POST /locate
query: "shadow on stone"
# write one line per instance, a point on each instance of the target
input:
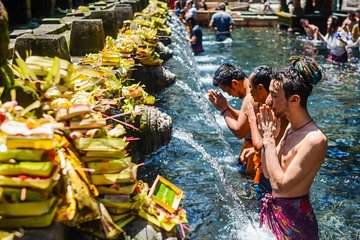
(109, 19)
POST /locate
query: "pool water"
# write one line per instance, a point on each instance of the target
(202, 157)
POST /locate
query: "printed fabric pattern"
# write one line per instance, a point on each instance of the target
(289, 218)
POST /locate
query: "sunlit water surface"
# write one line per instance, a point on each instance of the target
(202, 157)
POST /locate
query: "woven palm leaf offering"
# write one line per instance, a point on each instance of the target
(162, 205)
(117, 54)
(29, 170)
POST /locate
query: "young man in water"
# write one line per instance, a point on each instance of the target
(233, 80)
(222, 23)
(310, 29)
(259, 82)
(291, 165)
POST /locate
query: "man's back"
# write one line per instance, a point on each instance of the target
(222, 21)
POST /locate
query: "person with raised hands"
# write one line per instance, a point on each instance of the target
(292, 164)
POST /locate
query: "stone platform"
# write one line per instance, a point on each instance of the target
(241, 18)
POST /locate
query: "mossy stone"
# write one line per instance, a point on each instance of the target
(4, 35)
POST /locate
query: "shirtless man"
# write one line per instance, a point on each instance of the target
(291, 165)
(233, 81)
(349, 22)
(310, 29)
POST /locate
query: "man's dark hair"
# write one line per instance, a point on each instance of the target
(263, 75)
(222, 6)
(191, 20)
(226, 73)
(302, 21)
(299, 78)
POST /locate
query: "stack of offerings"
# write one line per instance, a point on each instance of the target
(28, 169)
(103, 151)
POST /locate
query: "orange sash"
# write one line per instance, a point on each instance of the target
(253, 162)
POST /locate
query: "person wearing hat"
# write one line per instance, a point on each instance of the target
(222, 23)
(195, 37)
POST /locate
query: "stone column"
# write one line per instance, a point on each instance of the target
(155, 78)
(133, 4)
(123, 12)
(50, 45)
(155, 130)
(87, 36)
(109, 20)
(283, 6)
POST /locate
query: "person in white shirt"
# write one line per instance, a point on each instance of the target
(336, 40)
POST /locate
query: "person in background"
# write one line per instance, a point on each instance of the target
(336, 41)
(292, 165)
(195, 36)
(203, 5)
(267, 8)
(349, 22)
(310, 29)
(190, 9)
(355, 33)
(182, 16)
(171, 4)
(222, 23)
(227, 6)
(177, 8)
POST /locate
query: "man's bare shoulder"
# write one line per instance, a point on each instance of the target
(313, 27)
(247, 99)
(315, 142)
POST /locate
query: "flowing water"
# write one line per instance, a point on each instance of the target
(202, 157)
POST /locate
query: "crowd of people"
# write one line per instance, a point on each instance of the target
(341, 38)
(283, 147)
(221, 22)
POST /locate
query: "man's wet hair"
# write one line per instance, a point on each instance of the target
(226, 73)
(299, 78)
(222, 6)
(263, 75)
(191, 20)
(302, 21)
